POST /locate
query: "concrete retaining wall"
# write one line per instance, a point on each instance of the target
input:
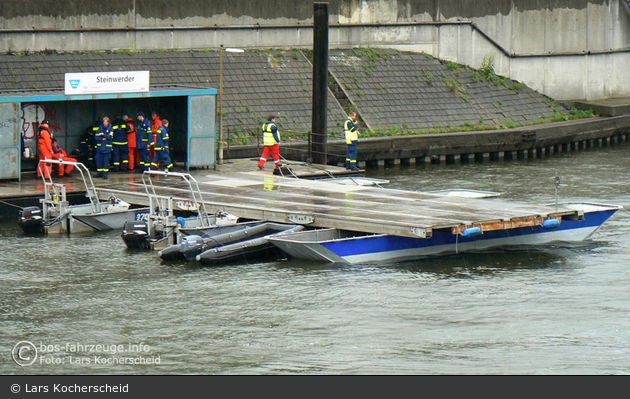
(567, 49)
(526, 142)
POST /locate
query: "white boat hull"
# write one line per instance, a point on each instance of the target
(104, 221)
(57, 216)
(80, 219)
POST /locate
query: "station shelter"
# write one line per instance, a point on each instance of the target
(190, 110)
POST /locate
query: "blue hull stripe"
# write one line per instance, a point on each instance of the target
(388, 243)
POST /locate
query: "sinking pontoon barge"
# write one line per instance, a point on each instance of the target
(370, 209)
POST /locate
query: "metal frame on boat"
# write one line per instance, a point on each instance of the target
(59, 217)
(162, 227)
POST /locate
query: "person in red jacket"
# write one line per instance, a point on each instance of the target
(156, 122)
(134, 156)
(60, 154)
(44, 148)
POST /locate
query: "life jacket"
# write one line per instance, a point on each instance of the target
(267, 129)
(350, 131)
(58, 150)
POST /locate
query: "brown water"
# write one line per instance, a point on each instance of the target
(552, 310)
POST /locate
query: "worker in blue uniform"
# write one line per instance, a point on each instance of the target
(120, 153)
(103, 148)
(87, 143)
(144, 137)
(95, 128)
(162, 151)
(352, 140)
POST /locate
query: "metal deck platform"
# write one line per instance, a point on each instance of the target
(329, 197)
(363, 208)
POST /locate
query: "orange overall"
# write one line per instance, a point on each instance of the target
(44, 148)
(134, 157)
(155, 123)
(60, 154)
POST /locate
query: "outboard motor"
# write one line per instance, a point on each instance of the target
(191, 246)
(135, 234)
(30, 219)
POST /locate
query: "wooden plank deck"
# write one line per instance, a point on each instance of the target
(241, 189)
(320, 203)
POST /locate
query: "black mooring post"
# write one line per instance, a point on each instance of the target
(320, 84)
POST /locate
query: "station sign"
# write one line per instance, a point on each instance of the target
(106, 82)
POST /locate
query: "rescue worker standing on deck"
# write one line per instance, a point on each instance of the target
(144, 138)
(87, 147)
(103, 148)
(44, 148)
(271, 141)
(121, 150)
(162, 148)
(352, 140)
(61, 155)
(134, 157)
(156, 122)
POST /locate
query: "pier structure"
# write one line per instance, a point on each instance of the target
(506, 155)
(344, 203)
(529, 142)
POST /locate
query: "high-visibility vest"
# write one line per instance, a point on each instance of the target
(268, 138)
(350, 131)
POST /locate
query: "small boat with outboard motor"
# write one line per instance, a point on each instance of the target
(57, 216)
(169, 214)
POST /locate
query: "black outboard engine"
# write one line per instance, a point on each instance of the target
(191, 246)
(135, 234)
(30, 219)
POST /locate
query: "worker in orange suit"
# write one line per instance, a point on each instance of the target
(44, 148)
(134, 156)
(156, 122)
(61, 154)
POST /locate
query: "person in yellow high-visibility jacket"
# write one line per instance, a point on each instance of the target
(352, 140)
(271, 141)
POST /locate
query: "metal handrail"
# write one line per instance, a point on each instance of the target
(194, 191)
(85, 176)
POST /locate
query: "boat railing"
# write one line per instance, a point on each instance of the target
(193, 187)
(161, 218)
(53, 192)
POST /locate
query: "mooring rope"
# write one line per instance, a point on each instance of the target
(304, 163)
(10, 204)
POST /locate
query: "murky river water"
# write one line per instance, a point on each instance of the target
(91, 306)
